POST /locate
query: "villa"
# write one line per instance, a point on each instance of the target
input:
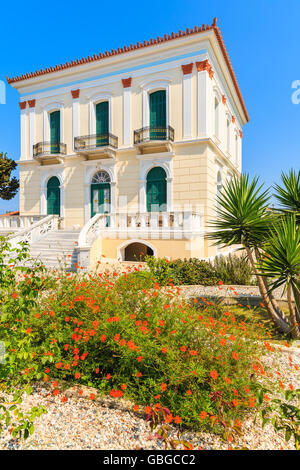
(124, 152)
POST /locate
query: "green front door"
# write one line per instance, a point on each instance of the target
(156, 190)
(53, 196)
(158, 118)
(100, 198)
(102, 123)
(55, 131)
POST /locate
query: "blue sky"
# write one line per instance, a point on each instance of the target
(261, 36)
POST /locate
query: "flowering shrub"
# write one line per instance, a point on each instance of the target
(188, 364)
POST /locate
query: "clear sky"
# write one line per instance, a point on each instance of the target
(261, 36)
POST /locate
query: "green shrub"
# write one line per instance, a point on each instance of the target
(186, 272)
(233, 269)
(192, 272)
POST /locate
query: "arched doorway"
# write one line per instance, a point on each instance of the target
(53, 196)
(137, 252)
(156, 190)
(100, 193)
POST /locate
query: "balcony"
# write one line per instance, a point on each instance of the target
(94, 146)
(47, 152)
(149, 139)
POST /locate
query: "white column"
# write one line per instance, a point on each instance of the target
(126, 112)
(205, 102)
(23, 130)
(75, 114)
(31, 126)
(187, 100)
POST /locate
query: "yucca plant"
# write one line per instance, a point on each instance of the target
(281, 263)
(243, 219)
(288, 195)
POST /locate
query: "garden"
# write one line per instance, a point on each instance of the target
(189, 372)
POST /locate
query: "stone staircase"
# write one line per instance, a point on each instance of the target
(57, 248)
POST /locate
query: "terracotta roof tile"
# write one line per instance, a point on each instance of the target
(138, 45)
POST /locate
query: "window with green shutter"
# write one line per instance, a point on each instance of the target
(102, 126)
(55, 131)
(158, 115)
(53, 196)
(156, 190)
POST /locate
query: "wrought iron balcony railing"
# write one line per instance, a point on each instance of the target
(94, 142)
(148, 134)
(48, 148)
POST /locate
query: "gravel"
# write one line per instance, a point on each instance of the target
(111, 424)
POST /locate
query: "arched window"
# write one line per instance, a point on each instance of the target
(101, 177)
(100, 193)
(156, 190)
(228, 135)
(236, 149)
(158, 115)
(216, 117)
(54, 119)
(219, 187)
(102, 123)
(53, 196)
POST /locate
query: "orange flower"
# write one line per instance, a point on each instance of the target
(291, 387)
(203, 414)
(58, 365)
(64, 399)
(193, 353)
(214, 374)
(123, 386)
(148, 409)
(92, 396)
(77, 375)
(56, 392)
(177, 419)
(189, 392)
(136, 408)
(164, 350)
(169, 418)
(163, 387)
(235, 355)
(29, 330)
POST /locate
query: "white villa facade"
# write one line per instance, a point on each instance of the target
(129, 148)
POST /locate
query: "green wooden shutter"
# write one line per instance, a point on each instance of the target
(53, 196)
(102, 127)
(55, 131)
(156, 190)
(158, 117)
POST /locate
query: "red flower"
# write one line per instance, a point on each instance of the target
(29, 330)
(203, 414)
(58, 365)
(64, 399)
(164, 350)
(163, 387)
(177, 419)
(92, 396)
(77, 375)
(214, 374)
